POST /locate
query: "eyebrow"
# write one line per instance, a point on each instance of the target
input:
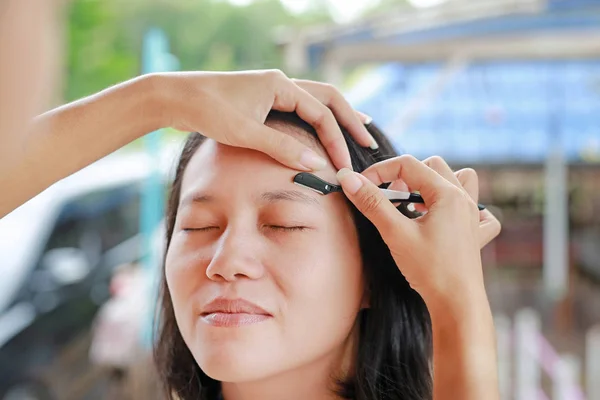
(195, 198)
(289, 195)
(268, 197)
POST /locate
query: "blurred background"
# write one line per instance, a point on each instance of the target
(508, 87)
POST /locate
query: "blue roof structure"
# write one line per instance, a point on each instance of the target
(508, 111)
(553, 15)
(491, 112)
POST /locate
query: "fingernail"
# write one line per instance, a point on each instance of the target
(350, 182)
(312, 161)
(374, 145)
(368, 119)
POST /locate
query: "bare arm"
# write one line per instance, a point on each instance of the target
(464, 349)
(439, 255)
(29, 50)
(227, 107)
(66, 139)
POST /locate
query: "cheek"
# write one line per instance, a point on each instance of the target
(323, 289)
(185, 263)
(323, 278)
(183, 274)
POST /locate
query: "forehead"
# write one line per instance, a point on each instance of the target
(220, 168)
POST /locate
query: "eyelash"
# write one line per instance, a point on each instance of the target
(274, 227)
(288, 228)
(200, 229)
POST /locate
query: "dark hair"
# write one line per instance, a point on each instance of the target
(395, 347)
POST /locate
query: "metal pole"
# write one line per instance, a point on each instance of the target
(527, 379)
(155, 58)
(556, 212)
(592, 363)
(556, 225)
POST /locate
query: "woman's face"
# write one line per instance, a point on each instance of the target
(244, 233)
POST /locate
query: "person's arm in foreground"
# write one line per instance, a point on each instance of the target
(228, 107)
(439, 254)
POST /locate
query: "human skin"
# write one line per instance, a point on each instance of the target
(439, 255)
(308, 279)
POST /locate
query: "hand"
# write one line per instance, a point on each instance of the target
(231, 108)
(439, 252)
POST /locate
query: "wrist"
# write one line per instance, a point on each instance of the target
(157, 104)
(464, 348)
(462, 302)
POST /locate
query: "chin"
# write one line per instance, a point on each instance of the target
(227, 364)
(237, 355)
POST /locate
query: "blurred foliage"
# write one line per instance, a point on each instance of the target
(105, 36)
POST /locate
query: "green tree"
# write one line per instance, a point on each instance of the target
(97, 54)
(105, 37)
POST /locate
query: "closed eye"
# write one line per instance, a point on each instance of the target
(203, 229)
(272, 227)
(287, 228)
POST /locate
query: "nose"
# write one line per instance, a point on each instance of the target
(235, 257)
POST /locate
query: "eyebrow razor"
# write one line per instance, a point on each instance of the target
(321, 186)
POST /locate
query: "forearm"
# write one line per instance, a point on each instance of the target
(464, 348)
(29, 50)
(66, 139)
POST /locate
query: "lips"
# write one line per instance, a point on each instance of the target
(224, 312)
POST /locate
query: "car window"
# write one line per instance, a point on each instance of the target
(98, 221)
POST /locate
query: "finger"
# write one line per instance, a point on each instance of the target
(469, 181)
(364, 118)
(280, 146)
(292, 98)
(403, 187)
(370, 201)
(439, 165)
(489, 228)
(399, 185)
(345, 115)
(420, 208)
(414, 173)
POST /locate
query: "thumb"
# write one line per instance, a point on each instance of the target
(489, 227)
(283, 148)
(370, 201)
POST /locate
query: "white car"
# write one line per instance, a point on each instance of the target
(58, 252)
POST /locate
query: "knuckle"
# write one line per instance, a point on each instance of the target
(336, 98)
(278, 142)
(408, 159)
(370, 202)
(457, 198)
(405, 160)
(329, 87)
(331, 90)
(322, 118)
(470, 172)
(318, 121)
(436, 159)
(276, 74)
(436, 162)
(497, 227)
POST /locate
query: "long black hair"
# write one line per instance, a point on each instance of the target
(395, 344)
